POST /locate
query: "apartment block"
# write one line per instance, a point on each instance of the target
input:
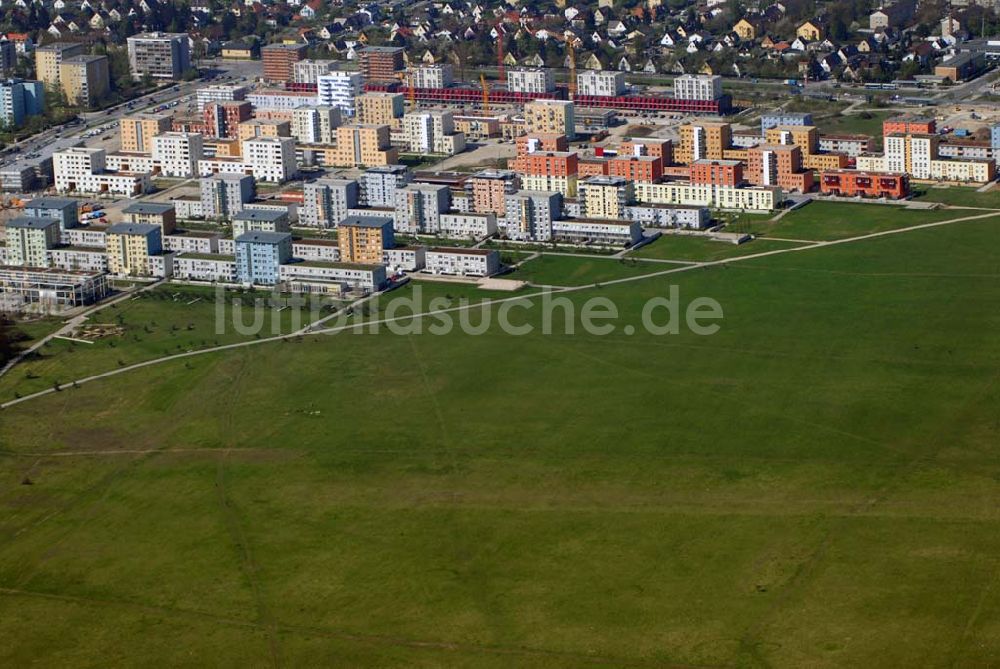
(137, 131)
(54, 289)
(432, 132)
(279, 61)
(703, 140)
(259, 256)
(697, 87)
(339, 89)
(468, 225)
(529, 214)
(773, 119)
(159, 55)
(432, 76)
(583, 230)
(909, 124)
(488, 190)
(717, 172)
(363, 239)
(131, 247)
(63, 209)
(49, 57)
(381, 63)
(326, 202)
(159, 214)
(462, 262)
(256, 128)
(379, 185)
(530, 80)
(380, 108)
(270, 158)
(806, 137)
(219, 93)
(29, 240)
(20, 99)
(309, 71)
(648, 146)
(706, 195)
(604, 196)
(223, 119)
(636, 168)
(603, 83)
(83, 170)
(550, 116)
(177, 154)
(315, 125)
(85, 80)
(364, 146)
(778, 165)
(668, 216)
(852, 183)
(260, 220)
(223, 195)
(418, 207)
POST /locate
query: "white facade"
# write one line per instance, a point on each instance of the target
(462, 262)
(270, 158)
(534, 80)
(308, 71)
(432, 76)
(82, 170)
(339, 89)
(600, 82)
(698, 87)
(315, 125)
(219, 93)
(281, 100)
(463, 225)
(432, 132)
(177, 153)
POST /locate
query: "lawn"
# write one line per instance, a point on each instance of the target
(165, 320)
(960, 196)
(856, 124)
(814, 485)
(822, 221)
(558, 270)
(689, 248)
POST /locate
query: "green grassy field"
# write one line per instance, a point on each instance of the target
(814, 485)
(823, 221)
(697, 249)
(963, 197)
(856, 124)
(556, 270)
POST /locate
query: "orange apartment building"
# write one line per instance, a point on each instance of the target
(850, 183)
(550, 163)
(648, 146)
(489, 189)
(703, 140)
(778, 165)
(645, 169)
(137, 131)
(362, 146)
(594, 166)
(716, 172)
(911, 125)
(279, 61)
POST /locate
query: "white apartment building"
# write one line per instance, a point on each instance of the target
(379, 184)
(530, 214)
(177, 153)
(339, 89)
(418, 208)
(270, 158)
(78, 259)
(29, 239)
(222, 195)
(315, 125)
(764, 198)
(219, 93)
(432, 76)
(468, 225)
(282, 100)
(326, 202)
(530, 80)
(604, 83)
(432, 132)
(309, 71)
(615, 233)
(462, 262)
(83, 170)
(698, 87)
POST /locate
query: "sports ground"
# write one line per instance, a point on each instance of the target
(817, 484)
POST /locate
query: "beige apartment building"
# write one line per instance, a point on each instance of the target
(703, 141)
(379, 108)
(48, 58)
(550, 117)
(84, 79)
(364, 146)
(137, 131)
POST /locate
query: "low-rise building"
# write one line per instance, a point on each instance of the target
(610, 232)
(668, 216)
(462, 262)
(468, 225)
(205, 267)
(853, 183)
(82, 170)
(308, 276)
(50, 290)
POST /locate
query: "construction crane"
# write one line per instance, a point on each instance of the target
(571, 54)
(486, 93)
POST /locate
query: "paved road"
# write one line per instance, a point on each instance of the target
(370, 324)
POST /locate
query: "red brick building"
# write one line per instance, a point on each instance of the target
(648, 146)
(222, 118)
(850, 183)
(279, 61)
(647, 169)
(911, 125)
(381, 63)
(778, 165)
(541, 142)
(716, 172)
(549, 163)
